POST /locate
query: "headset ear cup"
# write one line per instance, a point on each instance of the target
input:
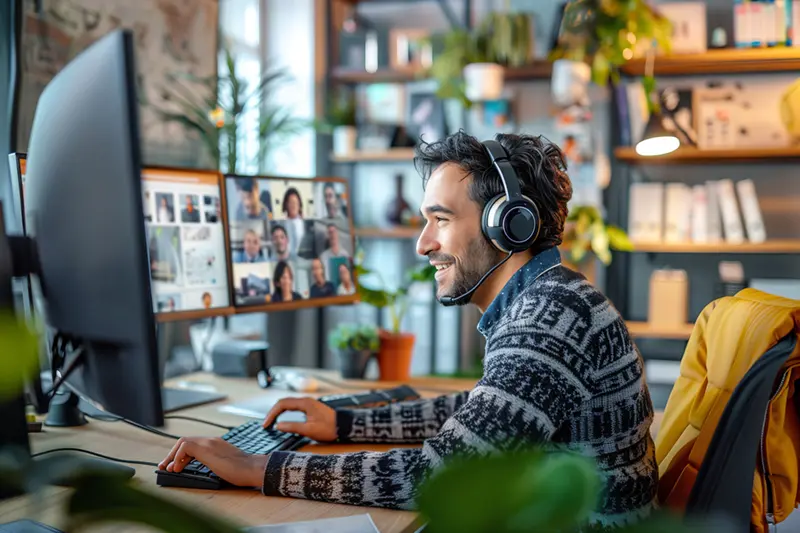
(490, 223)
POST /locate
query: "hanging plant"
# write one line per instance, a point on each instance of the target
(605, 34)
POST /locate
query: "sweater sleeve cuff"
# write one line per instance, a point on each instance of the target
(344, 424)
(273, 472)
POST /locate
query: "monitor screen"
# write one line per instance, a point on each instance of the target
(291, 240)
(186, 242)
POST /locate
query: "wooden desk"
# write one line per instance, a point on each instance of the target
(245, 507)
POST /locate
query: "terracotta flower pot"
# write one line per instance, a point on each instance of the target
(394, 355)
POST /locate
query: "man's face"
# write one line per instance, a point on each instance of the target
(317, 271)
(452, 237)
(250, 201)
(330, 201)
(251, 244)
(333, 237)
(207, 301)
(280, 241)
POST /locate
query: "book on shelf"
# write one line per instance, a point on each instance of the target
(714, 212)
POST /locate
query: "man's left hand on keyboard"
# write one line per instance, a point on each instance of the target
(224, 459)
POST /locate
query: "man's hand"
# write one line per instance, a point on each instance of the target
(224, 459)
(320, 424)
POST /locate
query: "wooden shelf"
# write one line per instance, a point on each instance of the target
(348, 75)
(400, 232)
(775, 246)
(539, 69)
(725, 61)
(690, 155)
(394, 154)
(644, 330)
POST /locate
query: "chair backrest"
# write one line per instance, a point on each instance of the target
(724, 483)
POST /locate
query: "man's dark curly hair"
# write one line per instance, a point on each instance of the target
(540, 166)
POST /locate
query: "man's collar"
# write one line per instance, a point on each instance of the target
(523, 277)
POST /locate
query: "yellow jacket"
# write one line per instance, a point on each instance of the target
(729, 336)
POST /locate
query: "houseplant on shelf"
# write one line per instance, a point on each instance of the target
(215, 108)
(596, 37)
(396, 346)
(471, 66)
(355, 346)
(586, 231)
(340, 121)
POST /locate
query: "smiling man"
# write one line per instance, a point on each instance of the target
(560, 368)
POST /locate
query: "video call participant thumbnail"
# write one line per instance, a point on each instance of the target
(251, 206)
(320, 286)
(284, 283)
(252, 251)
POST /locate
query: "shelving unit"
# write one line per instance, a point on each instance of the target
(688, 155)
(727, 61)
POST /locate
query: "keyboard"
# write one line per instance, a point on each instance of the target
(252, 438)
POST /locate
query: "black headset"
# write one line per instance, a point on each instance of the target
(510, 220)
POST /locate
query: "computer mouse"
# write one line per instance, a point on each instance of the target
(301, 383)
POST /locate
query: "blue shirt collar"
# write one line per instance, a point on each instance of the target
(522, 278)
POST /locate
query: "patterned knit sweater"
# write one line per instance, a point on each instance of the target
(559, 368)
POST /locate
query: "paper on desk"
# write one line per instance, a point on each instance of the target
(347, 524)
(259, 406)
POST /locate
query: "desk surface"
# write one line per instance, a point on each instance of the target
(244, 507)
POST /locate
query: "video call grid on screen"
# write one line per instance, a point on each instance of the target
(291, 240)
(186, 241)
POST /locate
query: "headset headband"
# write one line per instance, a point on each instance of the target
(508, 177)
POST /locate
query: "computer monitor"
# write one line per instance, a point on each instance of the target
(184, 214)
(291, 242)
(83, 208)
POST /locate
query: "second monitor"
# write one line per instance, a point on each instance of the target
(292, 241)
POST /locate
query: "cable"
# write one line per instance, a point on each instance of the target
(114, 418)
(76, 362)
(116, 459)
(198, 420)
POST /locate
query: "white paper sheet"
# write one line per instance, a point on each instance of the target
(346, 524)
(259, 406)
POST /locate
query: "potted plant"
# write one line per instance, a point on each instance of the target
(596, 37)
(586, 231)
(215, 107)
(341, 121)
(396, 346)
(471, 66)
(355, 345)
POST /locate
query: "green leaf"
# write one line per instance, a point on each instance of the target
(618, 239)
(101, 500)
(373, 297)
(530, 491)
(19, 354)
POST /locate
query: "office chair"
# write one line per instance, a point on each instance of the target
(724, 484)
